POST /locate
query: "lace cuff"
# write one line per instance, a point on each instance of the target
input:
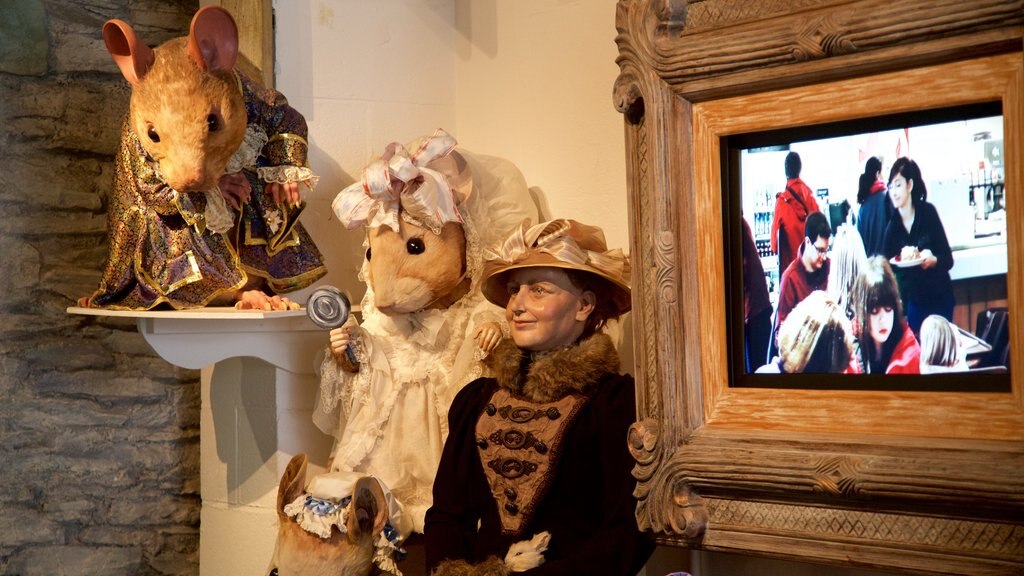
(285, 173)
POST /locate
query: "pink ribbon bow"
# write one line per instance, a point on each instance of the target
(399, 181)
(554, 238)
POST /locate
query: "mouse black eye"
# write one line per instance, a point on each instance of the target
(273, 572)
(151, 132)
(213, 122)
(368, 255)
(415, 246)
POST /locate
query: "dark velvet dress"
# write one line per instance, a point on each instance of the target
(585, 502)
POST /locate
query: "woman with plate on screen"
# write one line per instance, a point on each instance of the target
(917, 247)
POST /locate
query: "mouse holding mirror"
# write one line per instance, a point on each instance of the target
(209, 181)
(428, 210)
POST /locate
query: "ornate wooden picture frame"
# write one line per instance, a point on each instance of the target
(904, 480)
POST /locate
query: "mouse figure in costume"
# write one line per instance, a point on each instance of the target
(210, 175)
(429, 209)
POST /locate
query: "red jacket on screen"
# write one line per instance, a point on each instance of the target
(792, 206)
(906, 357)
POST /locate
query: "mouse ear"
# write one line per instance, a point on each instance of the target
(133, 57)
(292, 483)
(213, 39)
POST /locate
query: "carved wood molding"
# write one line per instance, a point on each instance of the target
(906, 542)
(758, 472)
(865, 475)
(747, 46)
(664, 503)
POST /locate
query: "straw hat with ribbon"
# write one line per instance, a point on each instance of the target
(558, 244)
(424, 182)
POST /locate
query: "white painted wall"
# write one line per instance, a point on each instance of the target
(529, 80)
(363, 73)
(534, 84)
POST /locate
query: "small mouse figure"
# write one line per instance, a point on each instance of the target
(342, 523)
(429, 211)
(209, 179)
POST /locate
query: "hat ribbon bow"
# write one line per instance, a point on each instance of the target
(553, 238)
(400, 181)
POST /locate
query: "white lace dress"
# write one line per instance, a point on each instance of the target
(390, 419)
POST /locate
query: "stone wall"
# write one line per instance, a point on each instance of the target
(99, 438)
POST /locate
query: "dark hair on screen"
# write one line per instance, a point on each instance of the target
(816, 226)
(793, 165)
(876, 288)
(867, 180)
(911, 172)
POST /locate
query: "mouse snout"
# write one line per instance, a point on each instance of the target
(402, 296)
(191, 179)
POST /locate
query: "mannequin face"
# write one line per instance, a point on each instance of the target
(899, 191)
(880, 324)
(545, 311)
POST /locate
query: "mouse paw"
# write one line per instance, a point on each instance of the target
(259, 300)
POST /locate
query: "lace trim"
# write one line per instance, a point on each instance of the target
(336, 386)
(435, 228)
(219, 217)
(252, 144)
(286, 174)
(318, 516)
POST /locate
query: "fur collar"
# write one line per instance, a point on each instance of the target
(576, 368)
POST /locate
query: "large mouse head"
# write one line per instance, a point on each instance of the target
(302, 553)
(408, 200)
(186, 104)
(414, 268)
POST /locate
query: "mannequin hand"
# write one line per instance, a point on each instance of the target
(341, 338)
(235, 189)
(288, 193)
(487, 336)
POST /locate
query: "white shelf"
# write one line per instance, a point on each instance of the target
(204, 336)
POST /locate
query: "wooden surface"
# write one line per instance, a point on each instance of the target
(255, 21)
(922, 482)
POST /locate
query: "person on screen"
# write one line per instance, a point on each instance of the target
(887, 344)
(792, 207)
(809, 272)
(757, 306)
(916, 242)
(875, 208)
(815, 338)
(845, 264)
(940, 346)
(871, 182)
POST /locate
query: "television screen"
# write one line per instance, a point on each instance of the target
(872, 251)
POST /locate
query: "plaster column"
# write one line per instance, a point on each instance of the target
(259, 389)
